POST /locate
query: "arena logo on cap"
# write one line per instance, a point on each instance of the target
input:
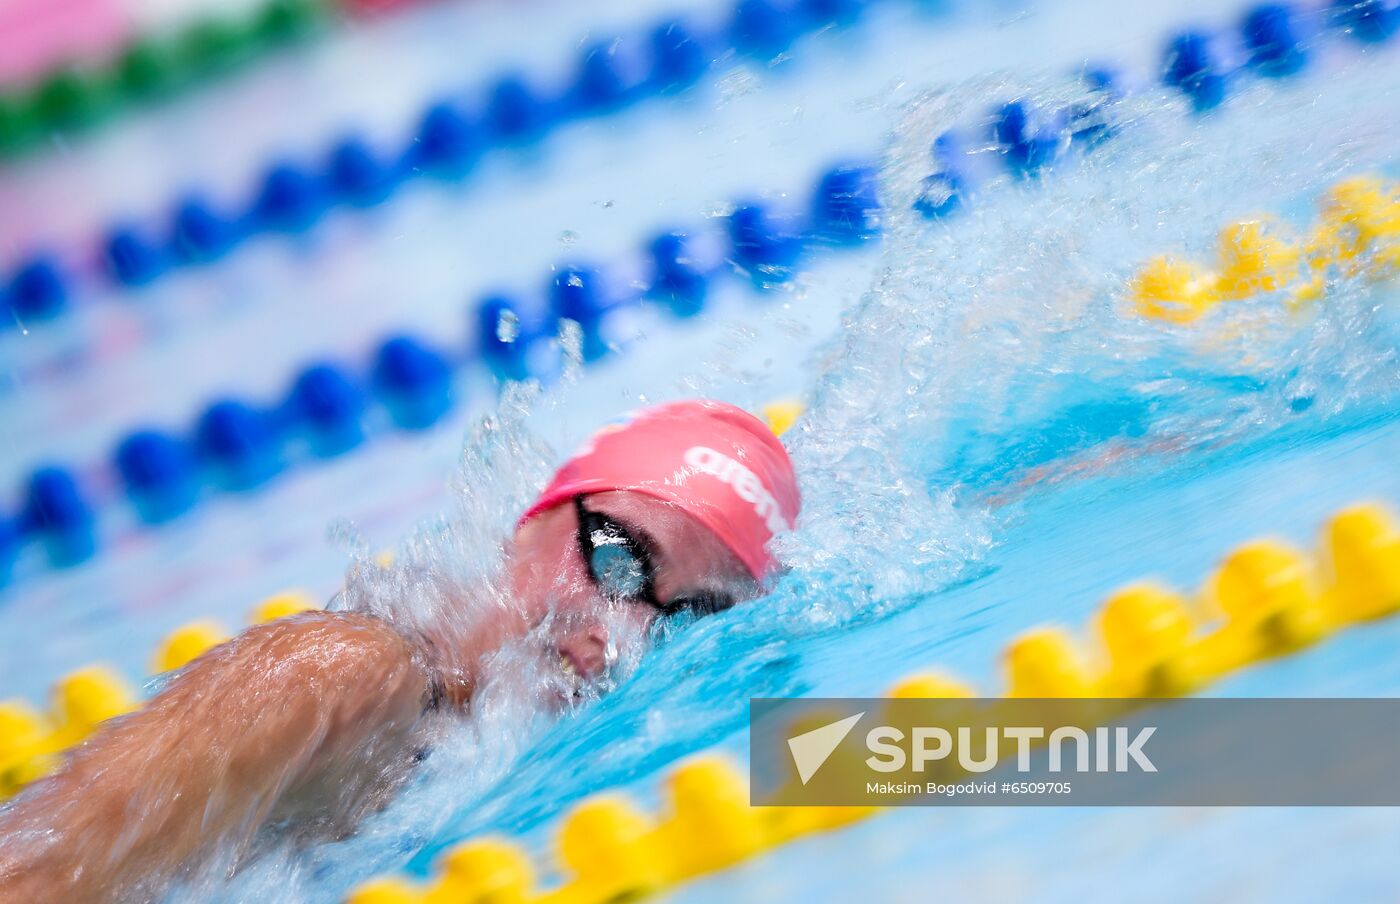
(745, 483)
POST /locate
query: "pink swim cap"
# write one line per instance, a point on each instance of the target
(719, 464)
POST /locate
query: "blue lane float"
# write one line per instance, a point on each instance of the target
(576, 293)
(328, 406)
(239, 444)
(1192, 68)
(846, 207)
(413, 381)
(160, 473)
(503, 337)
(677, 280)
(1090, 121)
(941, 194)
(516, 112)
(291, 199)
(1027, 146)
(763, 27)
(763, 244)
(57, 513)
(446, 140)
(355, 174)
(1372, 21)
(9, 548)
(133, 259)
(679, 58)
(1271, 37)
(198, 234)
(611, 75)
(37, 291)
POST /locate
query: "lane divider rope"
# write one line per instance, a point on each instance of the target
(448, 140)
(1272, 41)
(79, 97)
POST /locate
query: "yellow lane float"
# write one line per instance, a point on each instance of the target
(31, 745)
(1357, 235)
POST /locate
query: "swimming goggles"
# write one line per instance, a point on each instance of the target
(620, 565)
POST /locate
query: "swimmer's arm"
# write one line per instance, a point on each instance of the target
(204, 762)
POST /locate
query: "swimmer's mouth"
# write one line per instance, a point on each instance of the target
(578, 664)
(574, 680)
(582, 678)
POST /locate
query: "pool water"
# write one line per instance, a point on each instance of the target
(994, 440)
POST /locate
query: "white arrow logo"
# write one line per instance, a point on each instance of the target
(811, 749)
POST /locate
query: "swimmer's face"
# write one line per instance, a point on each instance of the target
(688, 566)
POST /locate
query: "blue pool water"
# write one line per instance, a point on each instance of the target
(993, 442)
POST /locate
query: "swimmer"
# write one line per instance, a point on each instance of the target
(303, 720)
